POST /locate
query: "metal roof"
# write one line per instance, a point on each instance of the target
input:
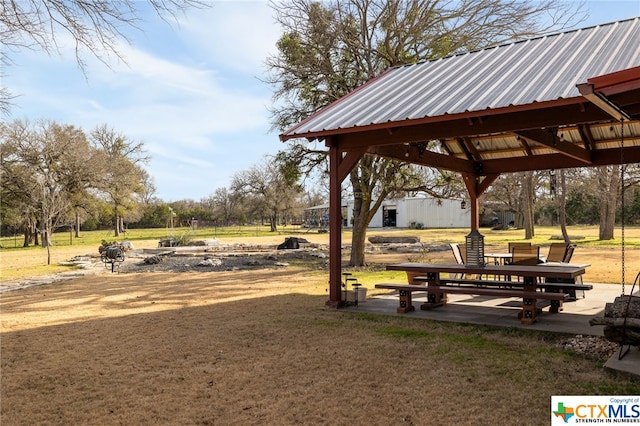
(530, 72)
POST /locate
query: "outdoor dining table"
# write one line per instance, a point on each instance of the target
(532, 279)
(499, 258)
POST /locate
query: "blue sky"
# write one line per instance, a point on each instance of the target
(190, 91)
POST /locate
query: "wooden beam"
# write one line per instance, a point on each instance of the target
(470, 151)
(558, 161)
(410, 154)
(454, 128)
(525, 145)
(445, 147)
(486, 183)
(549, 139)
(348, 161)
(503, 165)
(587, 137)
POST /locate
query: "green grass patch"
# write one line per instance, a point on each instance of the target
(94, 238)
(624, 386)
(544, 234)
(376, 318)
(370, 278)
(408, 333)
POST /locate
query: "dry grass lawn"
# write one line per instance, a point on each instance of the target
(260, 348)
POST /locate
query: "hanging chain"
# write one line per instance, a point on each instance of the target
(622, 169)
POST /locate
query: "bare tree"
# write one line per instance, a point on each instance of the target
(268, 190)
(147, 194)
(17, 177)
(226, 205)
(45, 167)
(94, 26)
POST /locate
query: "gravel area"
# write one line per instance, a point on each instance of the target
(593, 347)
(214, 262)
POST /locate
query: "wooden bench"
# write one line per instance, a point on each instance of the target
(552, 287)
(405, 292)
(473, 282)
(565, 287)
(467, 279)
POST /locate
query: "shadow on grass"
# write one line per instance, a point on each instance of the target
(255, 349)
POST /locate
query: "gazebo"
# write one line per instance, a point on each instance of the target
(566, 100)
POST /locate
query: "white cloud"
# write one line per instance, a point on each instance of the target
(238, 34)
(189, 93)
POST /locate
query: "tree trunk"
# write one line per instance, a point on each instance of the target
(365, 179)
(562, 206)
(77, 226)
(358, 242)
(621, 320)
(609, 183)
(526, 193)
(117, 226)
(622, 306)
(274, 222)
(359, 234)
(28, 234)
(47, 232)
(35, 234)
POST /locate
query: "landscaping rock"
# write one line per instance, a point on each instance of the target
(380, 239)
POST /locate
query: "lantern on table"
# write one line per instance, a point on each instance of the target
(474, 242)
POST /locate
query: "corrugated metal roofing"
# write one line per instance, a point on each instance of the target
(527, 72)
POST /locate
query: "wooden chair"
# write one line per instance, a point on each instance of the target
(557, 252)
(457, 253)
(460, 254)
(568, 253)
(512, 245)
(524, 245)
(463, 252)
(578, 280)
(525, 255)
(529, 256)
(567, 258)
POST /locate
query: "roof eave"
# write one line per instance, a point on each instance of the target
(467, 115)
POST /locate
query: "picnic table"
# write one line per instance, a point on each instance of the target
(536, 283)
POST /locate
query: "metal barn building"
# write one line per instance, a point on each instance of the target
(418, 212)
(414, 212)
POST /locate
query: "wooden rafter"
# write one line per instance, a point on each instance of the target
(550, 139)
(587, 136)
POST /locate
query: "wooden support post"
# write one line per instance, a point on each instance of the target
(335, 229)
(476, 187)
(405, 302)
(434, 299)
(339, 167)
(529, 313)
